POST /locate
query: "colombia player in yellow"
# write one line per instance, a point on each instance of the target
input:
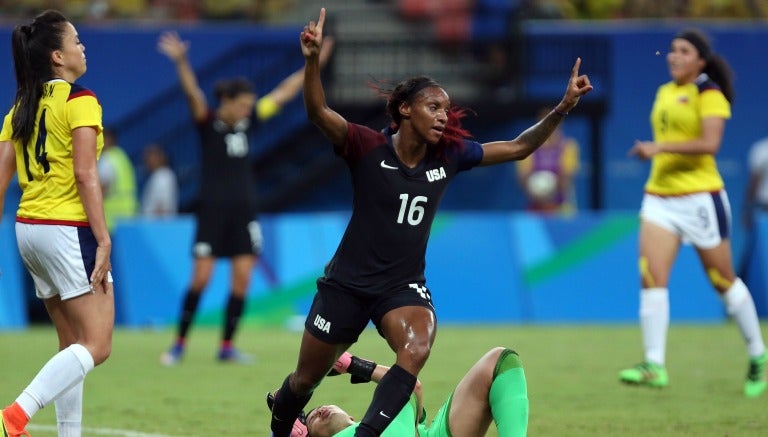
(685, 201)
(52, 139)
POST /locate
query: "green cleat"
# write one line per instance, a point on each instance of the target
(645, 373)
(757, 377)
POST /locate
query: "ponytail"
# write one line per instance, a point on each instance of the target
(32, 45)
(720, 72)
(716, 67)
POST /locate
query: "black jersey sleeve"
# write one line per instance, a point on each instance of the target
(360, 140)
(470, 155)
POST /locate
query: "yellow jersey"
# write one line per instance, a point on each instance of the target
(44, 166)
(676, 117)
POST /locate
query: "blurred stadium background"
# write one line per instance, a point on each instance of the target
(489, 261)
(504, 59)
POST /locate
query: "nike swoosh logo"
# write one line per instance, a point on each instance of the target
(385, 165)
(384, 415)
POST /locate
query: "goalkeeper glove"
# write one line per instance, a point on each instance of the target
(360, 370)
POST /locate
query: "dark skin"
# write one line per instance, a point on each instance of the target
(409, 331)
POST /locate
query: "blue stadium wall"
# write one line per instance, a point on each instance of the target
(139, 91)
(481, 268)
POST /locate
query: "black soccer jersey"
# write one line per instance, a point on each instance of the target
(226, 167)
(385, 243)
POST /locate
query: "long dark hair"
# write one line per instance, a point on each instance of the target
(32, 46)
(406, 92)
(716, 67)
(231, 88)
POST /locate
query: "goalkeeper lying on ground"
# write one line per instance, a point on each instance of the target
(494, 389)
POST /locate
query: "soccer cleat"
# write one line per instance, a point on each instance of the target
(299, 426)
(757, 377)
(8, 432)
(645, 373)
(172, 356)
(232, 355)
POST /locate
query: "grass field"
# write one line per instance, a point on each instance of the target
(571, 373)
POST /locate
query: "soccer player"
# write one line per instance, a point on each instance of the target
(494, 390)
(377, 274)
(226, 214)
(52, 137)
(685, 201)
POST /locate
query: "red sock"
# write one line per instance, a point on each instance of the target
(15, 418)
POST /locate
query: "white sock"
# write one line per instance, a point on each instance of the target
(740, 306)
(69, 411)
(62, 372)
(654, 323)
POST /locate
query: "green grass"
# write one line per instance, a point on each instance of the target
(571, 371)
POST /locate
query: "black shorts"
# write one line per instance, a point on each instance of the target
(338, 316)
(226, 231)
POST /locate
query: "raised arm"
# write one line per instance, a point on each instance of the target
(291, 86)
(7, 170)
(529, 140)
(176, 50)
(331, 124)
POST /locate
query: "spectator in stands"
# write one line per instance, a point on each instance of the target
(53, 135)
(226, 215)
(756, 199)
(230, 9)
(546, 176)
(685, 201)
(160, 196)
(494, 390)
(399, 176)
(118, 182)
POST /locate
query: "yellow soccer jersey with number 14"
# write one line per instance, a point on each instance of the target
(676, 117)
(44, 166)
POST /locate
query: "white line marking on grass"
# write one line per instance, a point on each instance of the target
(99, 431)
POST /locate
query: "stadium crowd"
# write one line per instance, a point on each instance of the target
(149, 10)
(266, 10)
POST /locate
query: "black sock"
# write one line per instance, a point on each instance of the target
(235, 307)
(389, 398)
(286, 409)
(188, 309)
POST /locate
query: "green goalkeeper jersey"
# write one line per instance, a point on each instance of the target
(403, 425)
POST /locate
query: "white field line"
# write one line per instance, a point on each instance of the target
(98, 431)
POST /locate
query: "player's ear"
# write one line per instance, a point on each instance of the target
(57, 57)
(405, 109)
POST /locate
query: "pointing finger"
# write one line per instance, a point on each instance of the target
(576, 65)
(321, 20)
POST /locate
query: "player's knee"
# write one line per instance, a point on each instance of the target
(496, 353)
(645, 273)
(414, 356)
(718, 280)
(199, 282)
(100, 351)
